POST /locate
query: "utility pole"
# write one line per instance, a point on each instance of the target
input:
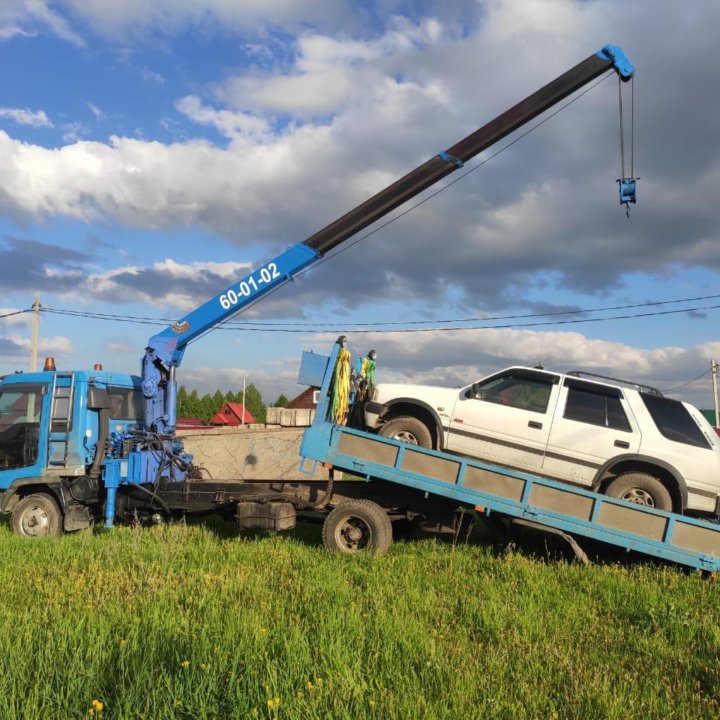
(243, 412)
(714, 368)
(35, 334)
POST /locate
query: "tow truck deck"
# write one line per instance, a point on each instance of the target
(491, 489)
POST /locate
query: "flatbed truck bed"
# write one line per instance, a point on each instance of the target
(495, 490)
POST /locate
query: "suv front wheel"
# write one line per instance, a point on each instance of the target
(641, 489)
(407, 429)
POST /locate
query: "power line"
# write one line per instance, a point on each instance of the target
(16, 312)
(689, 382)
(358, 329)
(441, 321)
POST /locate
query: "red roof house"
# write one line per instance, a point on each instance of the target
(232, 414)
(184, 423)
(306, 400)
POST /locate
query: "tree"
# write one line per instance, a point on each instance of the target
(218, 401)
(282, 401)
(254, 404)
(193, 405)
(182, 402)
(206, 408)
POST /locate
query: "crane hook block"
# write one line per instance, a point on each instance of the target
(628, 190)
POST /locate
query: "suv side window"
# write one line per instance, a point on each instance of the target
(520, 390)
(596, 406)
(674, 421)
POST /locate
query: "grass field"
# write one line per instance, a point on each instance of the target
(195, 622)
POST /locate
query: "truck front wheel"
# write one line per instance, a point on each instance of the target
(356, 526)
(37, 515)
(409, 429)
(642, 489)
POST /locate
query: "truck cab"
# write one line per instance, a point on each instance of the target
(54, 426)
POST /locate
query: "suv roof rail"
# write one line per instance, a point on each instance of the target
(638, 386)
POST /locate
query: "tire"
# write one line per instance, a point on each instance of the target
(407, 429)
(357, 526)
(642, 489)
(37, 515)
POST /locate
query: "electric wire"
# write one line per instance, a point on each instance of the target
(440, 321)
(362, 330)
(16, 312)
(689, 382)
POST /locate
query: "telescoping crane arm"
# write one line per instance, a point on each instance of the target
(165, 350)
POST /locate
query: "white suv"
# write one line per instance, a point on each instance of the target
(612, 436)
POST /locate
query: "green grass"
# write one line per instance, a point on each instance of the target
(195, 622)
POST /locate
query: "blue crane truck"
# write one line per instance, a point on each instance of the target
(82, 446)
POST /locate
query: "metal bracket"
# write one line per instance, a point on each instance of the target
(449, 158)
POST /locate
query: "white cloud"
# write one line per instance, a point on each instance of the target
(26, 17)
(226, 122)
(13, 319)
(330, 72)
(167, 283)
(96, 111)
(168, 16)
(24, 116)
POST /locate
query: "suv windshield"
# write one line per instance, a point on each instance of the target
(20, 407)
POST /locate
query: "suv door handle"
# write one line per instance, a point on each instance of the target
(622, 444)
(537, 425)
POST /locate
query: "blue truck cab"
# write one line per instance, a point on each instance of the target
(55, 428)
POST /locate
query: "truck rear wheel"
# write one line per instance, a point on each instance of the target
(356, 526)
(409, 429)
(37, 515)
(641, 489)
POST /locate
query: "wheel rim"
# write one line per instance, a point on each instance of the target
(35, 521)
(639, 497)
(405, 436)
(353, 534)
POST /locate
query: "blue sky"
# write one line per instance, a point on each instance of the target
(153, 152)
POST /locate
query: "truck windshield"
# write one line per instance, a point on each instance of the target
(20, 407)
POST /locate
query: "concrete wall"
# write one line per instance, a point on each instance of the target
(253, 452)
(288, 417)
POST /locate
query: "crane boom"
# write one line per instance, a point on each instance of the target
(164, 351)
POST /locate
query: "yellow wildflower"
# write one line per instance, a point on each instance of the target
(98, 706)
(185, 664)
(309, 685)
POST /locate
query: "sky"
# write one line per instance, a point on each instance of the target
(153, 153)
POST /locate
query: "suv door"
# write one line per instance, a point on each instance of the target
(592, 424)
(505, 418)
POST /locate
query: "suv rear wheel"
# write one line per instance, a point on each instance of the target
(641, 489)
(407, 429)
